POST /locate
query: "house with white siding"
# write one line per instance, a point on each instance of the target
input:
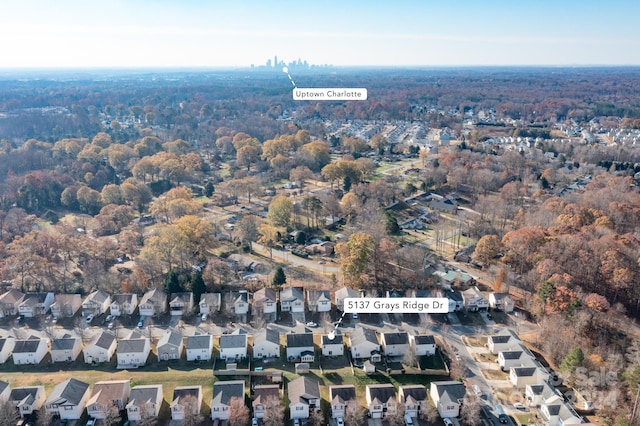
(262, 396)
(423, 344)
(170, 346)
(233, 347)
(291, 300)
(108, 395)
(35, 304)
(30, 351)
(340, 398)
(300, 347)
(186, 399)
(100, 349)
(223, 393)
(27, 399)
(363, 344)
(210, 303)
(68, 399)
(124, 304)
(144, 402)
(66, 305)
(6, 348)
(181, 303)
(395, 343)
(199, 347)
(319, 300)
(66, 349)
(96, 303)
(304, 397)
(133, 351)
(447, 396)
(9, 302)
(381, 400)
(266, 344)
(153, 303)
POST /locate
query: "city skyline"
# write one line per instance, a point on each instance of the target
(197, 33)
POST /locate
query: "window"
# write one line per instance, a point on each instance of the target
(451, 407)
(299, 408)
(68, 408)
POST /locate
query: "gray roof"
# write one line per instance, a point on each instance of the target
(127, 346)
(143, 394)
(233, 341)
(524, 371)
(511, 354)
(424, 340)
(337, 340)
(3, 386)
(12, 296)
(399, 338)
(343, 392)
(25, 394)
(186, 391)
(2, 343)
(98, 296)
(265, 294)
(303, 389)
(299, 340)
(452, 390)
(382, 393)
(223, 391)
(361, 335)
(105, 340)
(290, 294)
(181, 297)
(69, 392)
(170, 337)
(261, 393)
(26, 346)
(120, 299)
(318, 295)
(64, 344)
(202, 341)
(154, 296)
(417, 392)
(266, 335)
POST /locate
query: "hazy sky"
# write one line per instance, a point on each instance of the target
(187, 33)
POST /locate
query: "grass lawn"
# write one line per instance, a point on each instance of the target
(478, 342)
(433, 362)
(495, 374)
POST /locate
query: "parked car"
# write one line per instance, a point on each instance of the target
(447, 421)
(89, 318)
(140, 323)
(312, 324)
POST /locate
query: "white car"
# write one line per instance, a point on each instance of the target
(110, 326)
(312, 324)
(205, 316)
(447, 421)
(254, 422)
(339, 421)
(519, 406)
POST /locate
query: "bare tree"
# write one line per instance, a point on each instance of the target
(457, 369)
(147, 416)
(316, 418)
(273, 412)
(410, 357)
(470, 411)
(355, 415)
(8, 413)
(112, 416)
(395, 419)
(192, 416)
(430, 414)
(238, 412)
(44, 418)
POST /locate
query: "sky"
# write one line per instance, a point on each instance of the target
(238, 33)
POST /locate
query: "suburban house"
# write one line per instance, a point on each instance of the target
(144, 402)
(30, 351)
(423, 344)
(514, 358)
(210, 303)
(5, 391)
(454, 298)
(170, 345)
(65, 349)
(530, 374)
(559, 413)
(265, 303)
(108, 395)
(181, 303)
(153, 303)
(342, 294)
(474, 300)
(263, 396)
(9, 302)
(440, 203)
(291, 300)
(501, 302)
(186, 399)
(341, 397)
(66, 305)
(133, 351)
(266, 343)
(414, 399)
(35, 304)
(199, 347)
(233, 347)
(223, 393)
(100, 349)
(332, 347)
(304, 396)
(381, 400)
(238, 302)
(450, 278)
(447, 396)
(6, 348)
(363, 343)
(27, 399)
(300, 347)
(505, 340)
(319, 300)
(542, 393)
(68, 399)
(96, 303)
(124, 304)
(395, 343)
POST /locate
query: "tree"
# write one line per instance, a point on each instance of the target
(280, 211)
(247, 230)
(316, 418)
(172, 283)
(279, 278)
(270, 236)
(498, 283)
(273, 412)
(209, 189)
(356, 256)
(112, 417)
(45, 417)
(238, 412)
(391, 222)
(471, 411)
(396, 418)
(430, 413)
(300, 174)
(355, 415)
(8, 413)
(487, 249)
(198, 287)
(574, 359)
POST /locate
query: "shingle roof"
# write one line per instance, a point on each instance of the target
(26, 346)
(141, 395)
(263, 392)
(233, 341)
(120, 299)
(303, 389)
(127, 346)
(186, 391)
(450, 390)
(25, 395)
(361, 335)
(524, 371)
(202, 341)
(337, 340)
(63, 344)
(223, 391)
(382, 393)
(399, 338)
(511, 354)
(417, 392)
(290, 294)
(424, 340)
(69, 392)
(12, 296)
(170, 337)
(342, 393)
(266, 335)
(105, 340)
(299, 340)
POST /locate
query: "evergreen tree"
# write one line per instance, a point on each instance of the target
(573, 360)
(209, 189)
(172, 283)
(198, 287)
(279, 278)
